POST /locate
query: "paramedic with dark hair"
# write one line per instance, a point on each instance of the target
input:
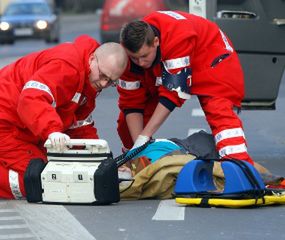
(51, 94)
(174, 55)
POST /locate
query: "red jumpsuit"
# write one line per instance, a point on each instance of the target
(41, 93)
(189, 41)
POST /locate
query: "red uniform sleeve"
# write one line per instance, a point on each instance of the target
(49, 89)
(177, 43)
(171, 95)
(180, 48)
(132, 94)
(85, 132)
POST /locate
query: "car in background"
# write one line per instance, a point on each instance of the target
(115, 13)
(29, 19)
(257, 30)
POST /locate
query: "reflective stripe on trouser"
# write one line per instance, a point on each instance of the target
(11, 184)
(226, 127)
(12, 176)
(15, 155)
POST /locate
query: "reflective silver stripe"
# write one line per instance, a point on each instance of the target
(129, 85)
(228, 46)
(84, 100)
(76, 97)
(241, 148)
(14, 184)
(229, 133)
(40, 86)
(177, 63)
(175, 15)
(158, 81)
(81, 123)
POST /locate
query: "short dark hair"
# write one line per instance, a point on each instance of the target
(135, 34)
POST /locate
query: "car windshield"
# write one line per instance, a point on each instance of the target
(27, 9)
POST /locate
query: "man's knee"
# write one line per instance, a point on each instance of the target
(5, 189)
(11, 183)
(32, 180)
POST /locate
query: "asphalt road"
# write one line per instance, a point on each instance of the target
(151, 219)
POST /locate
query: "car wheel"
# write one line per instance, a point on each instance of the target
(11, 41)
(48, 39)
(56, 40)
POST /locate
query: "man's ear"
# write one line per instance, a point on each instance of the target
(91, 58)
(156, 41)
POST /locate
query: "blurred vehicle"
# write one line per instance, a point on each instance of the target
(257, 30)
(29, 19)
(115, 13)
(81, 6)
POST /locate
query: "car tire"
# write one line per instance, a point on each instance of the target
(11, 41)
(48, 39)
(52, 37)
(56, 40)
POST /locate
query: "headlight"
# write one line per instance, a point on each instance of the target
(41, 24)
(4, 26)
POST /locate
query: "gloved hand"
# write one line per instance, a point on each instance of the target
(125, 175)
(59, 140)
(141, 140)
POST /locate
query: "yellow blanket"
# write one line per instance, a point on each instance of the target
(157, 180)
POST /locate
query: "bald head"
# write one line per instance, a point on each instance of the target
(113, 59)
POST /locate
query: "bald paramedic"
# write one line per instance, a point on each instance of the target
(51, 94)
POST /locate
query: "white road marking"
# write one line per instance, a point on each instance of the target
(197, 112)
(44, 221)
(17, 236)
(7, 210)
(13, 226)
(194, 130)
(168, 210)
(8, 218)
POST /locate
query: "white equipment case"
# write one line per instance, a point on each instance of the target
(84, 174)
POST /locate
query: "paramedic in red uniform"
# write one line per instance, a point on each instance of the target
(174, 55)
(51, 95)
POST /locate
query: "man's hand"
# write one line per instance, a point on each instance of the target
(141, 140)
(59, 140)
